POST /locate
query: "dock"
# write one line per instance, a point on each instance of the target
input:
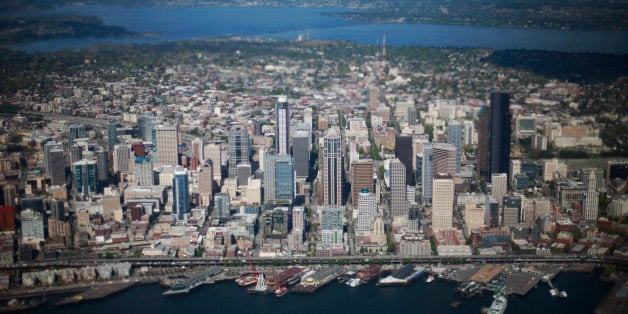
(191, 283)
(402, 276)
(96, 293)
(520, 283)
(486, 273)
(290, 276)
(319, 279)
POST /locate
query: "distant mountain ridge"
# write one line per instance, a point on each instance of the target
(554, 14)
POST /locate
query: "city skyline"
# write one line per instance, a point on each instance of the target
(307, 159)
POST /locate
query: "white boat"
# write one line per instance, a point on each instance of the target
(430, 279)
(499, 305)
(554, 292)
(563, 294)
(353, 282)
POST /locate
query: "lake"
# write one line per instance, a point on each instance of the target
(180, 23)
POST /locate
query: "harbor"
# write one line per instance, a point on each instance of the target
(472, 281)
(585, 292)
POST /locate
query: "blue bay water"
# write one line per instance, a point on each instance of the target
(585, 292)
(179, 23)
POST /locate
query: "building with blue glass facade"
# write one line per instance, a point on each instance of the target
(278, 179)
(181, 193)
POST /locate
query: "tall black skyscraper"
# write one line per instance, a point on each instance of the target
(494, 136)
(403, 151)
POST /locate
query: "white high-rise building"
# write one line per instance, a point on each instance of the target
(121, 158)
(442, 202)
(591, 199)
(143, 172)
(167, 137)
(212, 151)
(307, 117)
(32, 226)
(468, 133)
(298, 217)
(398, 202)
(473, 216)
(515, 167)
(298, 225)
(378, 235)
(499, 186)
(366, 211)
(553, 169)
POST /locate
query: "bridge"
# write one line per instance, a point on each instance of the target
(320, 260)
(189, 284)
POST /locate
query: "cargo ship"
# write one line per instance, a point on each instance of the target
(402, 276)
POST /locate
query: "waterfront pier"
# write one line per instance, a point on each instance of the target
(204, 277)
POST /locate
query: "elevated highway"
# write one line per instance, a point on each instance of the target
(345, 260)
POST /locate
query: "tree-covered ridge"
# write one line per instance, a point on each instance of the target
(561, 14)
(15, 30)
(574, 67)
(567, 14)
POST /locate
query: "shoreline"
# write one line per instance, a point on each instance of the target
(612, 302)
(81, 288)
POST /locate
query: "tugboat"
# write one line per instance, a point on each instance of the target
(353, 282)
(281, 291)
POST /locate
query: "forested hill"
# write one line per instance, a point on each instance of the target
(22, 29)
(556, 14)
